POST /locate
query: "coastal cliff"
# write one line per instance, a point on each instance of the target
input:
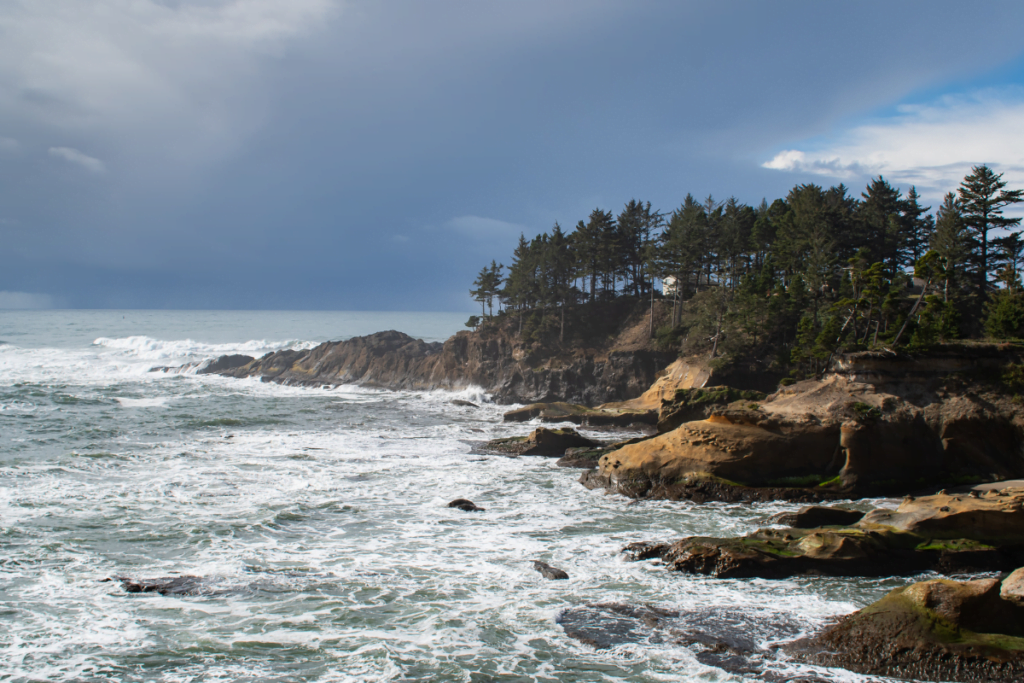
(614, 363)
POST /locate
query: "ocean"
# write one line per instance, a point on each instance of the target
(318, 520)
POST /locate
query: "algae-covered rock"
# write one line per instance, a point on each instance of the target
(937, 630)
(987, 539)
(542, 441)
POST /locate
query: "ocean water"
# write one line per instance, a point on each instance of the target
(318, 518)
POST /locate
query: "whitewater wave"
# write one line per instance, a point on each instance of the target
(148, 348)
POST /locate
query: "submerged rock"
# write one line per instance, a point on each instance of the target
(549, 572)
(465, 505)
(816, 516)
(943, 533)
(726, 638)
(937, 630)
(462, 403)
(542, 441)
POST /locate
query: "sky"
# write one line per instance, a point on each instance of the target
(374, 155)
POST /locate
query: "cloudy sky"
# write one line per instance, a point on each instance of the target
(358, 154)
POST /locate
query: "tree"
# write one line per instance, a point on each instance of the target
(983, 199)
(951, 241)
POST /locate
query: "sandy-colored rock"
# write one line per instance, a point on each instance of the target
(683, 373)
(1012, 588)
(845, 435)
(994, 517)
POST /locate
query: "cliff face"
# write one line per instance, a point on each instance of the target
(495, 360)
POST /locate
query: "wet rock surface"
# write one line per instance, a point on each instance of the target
(225, 363)
(464, 404)
(937, 630)
(542, 441)
(549, 572)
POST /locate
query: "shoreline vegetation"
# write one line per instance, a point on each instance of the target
(820, 348)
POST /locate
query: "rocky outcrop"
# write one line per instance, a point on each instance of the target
(944, 533)
(494, 360)
(828, 436)
(582, 415)
(465, 505)
(542, 441)
(225, 363)
(935, 630)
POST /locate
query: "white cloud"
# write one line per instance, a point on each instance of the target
(74, 156)
(929, 145)
(482, 227)
(24, 301)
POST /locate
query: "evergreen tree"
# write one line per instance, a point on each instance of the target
(983, 198)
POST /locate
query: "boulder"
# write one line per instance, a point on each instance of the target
(542, 441)
(932, 630)
(465, 505)
(816, 516)
(463, 404)
(549, 572)
(173, 585)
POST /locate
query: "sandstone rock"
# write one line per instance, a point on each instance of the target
(997, 517)
(465, 505)
(933, 630)
(542, 441)
(833, 434)
(816, 516)
(549, 572)
(1012, 588)
(689, 404)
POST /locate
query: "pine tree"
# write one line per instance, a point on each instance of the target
(983, 199)
(952, 242)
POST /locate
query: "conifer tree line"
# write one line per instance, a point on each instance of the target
(802, 277)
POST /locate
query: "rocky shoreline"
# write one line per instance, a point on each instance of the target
(877, 425)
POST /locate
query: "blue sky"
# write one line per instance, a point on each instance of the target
(348, 154)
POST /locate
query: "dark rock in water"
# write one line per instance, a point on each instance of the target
(174, 585)
(933, 630)
(645, 550)
(549, 572)
(542, 441)
(225, 363)
(724, 638)
(465, 505)
(816, 516)
(464, 404)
